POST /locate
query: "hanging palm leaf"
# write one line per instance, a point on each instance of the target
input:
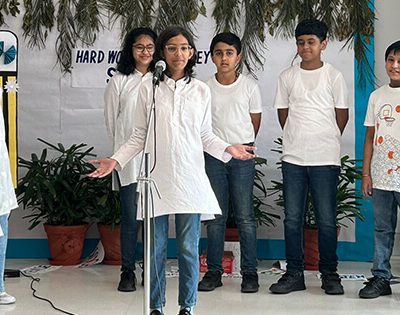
(227, 16)
(130, 13)
(9, 7)
(38, 21)
(67, 36)
(179, 12)
(88, 21)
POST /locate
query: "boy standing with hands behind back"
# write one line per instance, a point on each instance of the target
(236, 114)
(312, 108)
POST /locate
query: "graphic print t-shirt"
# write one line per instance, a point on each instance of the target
(384, 114)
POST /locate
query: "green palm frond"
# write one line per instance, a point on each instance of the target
(88, 21)
(38, 21)
(9, 7)
(67, 36)
(130, 13)
(179, 12)
(227, 16)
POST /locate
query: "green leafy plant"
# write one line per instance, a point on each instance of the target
(347, 197)
(56, 189)
(106, 202)
(263, 217)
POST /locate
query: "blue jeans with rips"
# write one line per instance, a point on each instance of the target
(386, 205)
(129, 226)
(3, 248)
(321, 182)
(187, 229)
(232, 183)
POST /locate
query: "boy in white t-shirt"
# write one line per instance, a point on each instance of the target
(236, 114)
(381, 171)
(312, 108)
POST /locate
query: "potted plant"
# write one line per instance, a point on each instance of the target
(263, 217)
(348, 205)
(57, 193)
(107, 214)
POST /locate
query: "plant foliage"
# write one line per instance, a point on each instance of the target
(56, 190)
(263, 217)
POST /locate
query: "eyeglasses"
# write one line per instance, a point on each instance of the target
(142, 48)
(172, 49)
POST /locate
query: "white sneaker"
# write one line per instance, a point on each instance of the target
(5, 298)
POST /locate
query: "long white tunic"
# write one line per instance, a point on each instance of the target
(120, 99)
(8, 201)
(183, 132)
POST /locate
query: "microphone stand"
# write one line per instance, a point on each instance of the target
(145, 195)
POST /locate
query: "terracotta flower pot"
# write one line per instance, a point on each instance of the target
(66, 243)
(311, 251)
(232, 234)
(110, 238)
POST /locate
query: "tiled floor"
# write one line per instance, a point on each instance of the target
(92, 291)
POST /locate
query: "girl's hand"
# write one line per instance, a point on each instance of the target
(241, 151)
(105, 167)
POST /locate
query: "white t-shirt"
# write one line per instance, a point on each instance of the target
(120, 102)
(383, 113)
(311, 135)
(183, 132)
(231, 106)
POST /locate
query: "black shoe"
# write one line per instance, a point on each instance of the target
(211, 280)
(155, 312)
(184, 311)
(290, 281)
(142, 283)
(127, 282)
(374, 287)
(331, 284)
(249, 282)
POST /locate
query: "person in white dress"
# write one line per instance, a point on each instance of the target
(8, 202)
(120, 97)
(180, 133)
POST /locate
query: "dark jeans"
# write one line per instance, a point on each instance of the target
(321, 182)
(129, 226)
(386, 205)
(232, 182)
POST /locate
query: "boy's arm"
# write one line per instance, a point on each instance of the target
(342, 117)
(366, 170)
(256, 121)
(282, 116)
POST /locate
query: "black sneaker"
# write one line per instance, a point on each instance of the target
(184, 311)
(249, 282)
(374, 287)
(155, 312)
(127, 282)
(331, 284)
(142, 283)
(211, 280)
(290, 281)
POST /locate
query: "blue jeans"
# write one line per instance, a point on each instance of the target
(321, 182)
(129, 226)
(3, 248)
(385, 204)
(187, 229)
(232, 183)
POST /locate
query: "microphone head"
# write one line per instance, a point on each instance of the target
(160, 64)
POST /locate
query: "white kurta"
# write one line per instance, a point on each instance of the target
(8, 201)
(183, 132)
(120, 99)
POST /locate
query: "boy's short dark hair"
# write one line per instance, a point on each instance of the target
(312, 27)
(227, 38)
(395, 47)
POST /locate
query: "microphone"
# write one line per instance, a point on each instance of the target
(159, 69)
